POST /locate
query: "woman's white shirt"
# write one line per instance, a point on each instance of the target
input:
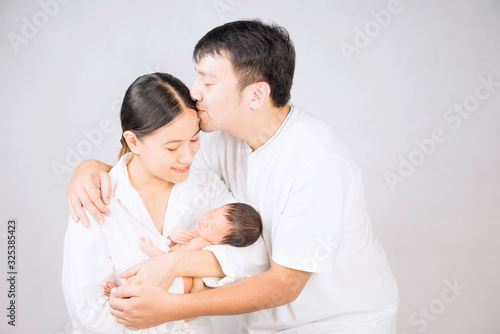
(95, 255)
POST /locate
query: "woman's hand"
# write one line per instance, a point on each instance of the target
(161, 270)
(83, 191)
(158, 271)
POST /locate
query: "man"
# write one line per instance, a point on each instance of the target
(328, 272)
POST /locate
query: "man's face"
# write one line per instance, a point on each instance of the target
(217, 94)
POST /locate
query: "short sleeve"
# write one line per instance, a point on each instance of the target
(238, 262)
(207, 167)
(309, 231)
(205, 158)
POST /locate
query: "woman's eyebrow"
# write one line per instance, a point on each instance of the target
(172, 141)
(179, 140)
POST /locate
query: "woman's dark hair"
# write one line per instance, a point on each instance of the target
(257, 51)
(246, 225)
(151, 102)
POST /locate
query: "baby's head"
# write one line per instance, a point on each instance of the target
(235, 224)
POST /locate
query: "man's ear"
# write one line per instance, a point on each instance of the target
(132, 141)
(260, 94)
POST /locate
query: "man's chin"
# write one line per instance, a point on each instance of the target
(206, 127)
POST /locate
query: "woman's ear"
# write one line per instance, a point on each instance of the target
(132, 141)
(260, 94)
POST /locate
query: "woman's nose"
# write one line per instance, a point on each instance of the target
(187, 156)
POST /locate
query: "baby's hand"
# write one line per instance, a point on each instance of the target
(180, 236)
(108, 287)
(145, 245)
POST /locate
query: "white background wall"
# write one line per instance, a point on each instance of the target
(438, 225)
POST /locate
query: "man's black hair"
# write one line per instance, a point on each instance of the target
(257, 51)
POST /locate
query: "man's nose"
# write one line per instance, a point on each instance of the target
(195, 90)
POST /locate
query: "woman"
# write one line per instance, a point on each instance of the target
(151, 195)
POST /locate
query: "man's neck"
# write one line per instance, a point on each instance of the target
(262, 126)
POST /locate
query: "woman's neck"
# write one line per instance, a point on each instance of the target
(142, 180)
(154, 191)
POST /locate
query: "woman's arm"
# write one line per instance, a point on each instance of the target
(161, 270)
(83, 191)
(87, 267)
(197, 243)
(230, 263)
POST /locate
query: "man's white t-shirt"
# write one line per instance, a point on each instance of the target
(308, 189)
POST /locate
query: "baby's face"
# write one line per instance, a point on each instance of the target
(213, 226)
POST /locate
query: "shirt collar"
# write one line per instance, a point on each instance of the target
(123, 191)
(122, 188)
(288, 117)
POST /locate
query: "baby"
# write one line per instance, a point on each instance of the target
(235, 224)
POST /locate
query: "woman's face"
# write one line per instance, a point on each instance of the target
(168, 152)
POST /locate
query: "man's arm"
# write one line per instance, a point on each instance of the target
(146, 305)
(275, 287)
(83, 191)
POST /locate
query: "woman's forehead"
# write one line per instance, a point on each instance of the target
(185, 126)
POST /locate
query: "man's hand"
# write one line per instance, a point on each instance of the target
(143, 300)
(180, 236)
(142, 306)
(83, 191)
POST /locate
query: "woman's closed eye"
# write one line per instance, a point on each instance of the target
(172, 149)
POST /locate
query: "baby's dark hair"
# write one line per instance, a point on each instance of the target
(246, 225)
